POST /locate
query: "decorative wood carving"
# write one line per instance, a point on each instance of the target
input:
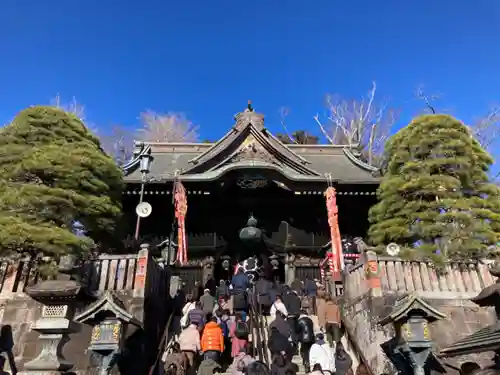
(208, 262)
(251, 150)
(130, 242)
(191, 263)
(302, 261)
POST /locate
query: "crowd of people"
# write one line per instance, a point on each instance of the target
(212, 330)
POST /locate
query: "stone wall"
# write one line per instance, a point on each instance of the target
(372, 287)
(18, 312)
(139, 282)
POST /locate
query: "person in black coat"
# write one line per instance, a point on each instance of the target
(293, 304)
(263, 289)
(343, 361)
(240, 301)
(305, 333)
(280, 324)
(278, 343)
(257, 368)
(281, 365)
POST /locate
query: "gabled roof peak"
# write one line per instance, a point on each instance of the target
(409, 303)
(109, 301)
(249, 117)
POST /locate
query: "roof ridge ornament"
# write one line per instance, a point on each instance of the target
(249, 118)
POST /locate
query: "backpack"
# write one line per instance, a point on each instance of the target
(241, 330)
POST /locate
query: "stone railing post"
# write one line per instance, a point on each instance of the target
(141, 271)
(208, 269)
(330, 284)
(372, 271)
(289, 268)
(175, 285)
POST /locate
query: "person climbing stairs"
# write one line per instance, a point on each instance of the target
(297, 359)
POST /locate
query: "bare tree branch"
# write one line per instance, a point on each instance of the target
(284, 112)
(428, 100)
(300, 137)
(487, 130)
(167, 127)
(118, 143)
(73, 106)
(358, 123)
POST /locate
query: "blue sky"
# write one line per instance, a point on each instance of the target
(207, 59)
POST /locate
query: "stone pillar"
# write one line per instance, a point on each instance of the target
(175, 285)
(289, 268)
(372, 270)
(208, 269)
(141, 271)
(329, 284)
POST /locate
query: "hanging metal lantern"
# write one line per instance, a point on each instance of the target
(251, 233)
(273, 259)
(226, 262)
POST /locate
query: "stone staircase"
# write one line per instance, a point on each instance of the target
(251, 337)
(298, 360)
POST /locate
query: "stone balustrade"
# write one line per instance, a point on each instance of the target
(127, 272)
(374, 285)
(393, 275)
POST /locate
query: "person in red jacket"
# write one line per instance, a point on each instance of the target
(212, 340)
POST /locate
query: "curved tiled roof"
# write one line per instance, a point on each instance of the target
(249, 145)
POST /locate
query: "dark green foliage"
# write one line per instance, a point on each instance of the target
(435, 191)
(301, 137)
(55, 174)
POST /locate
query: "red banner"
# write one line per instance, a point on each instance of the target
(180, 203)
(336, 259)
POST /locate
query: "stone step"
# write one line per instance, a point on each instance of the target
(298, 360)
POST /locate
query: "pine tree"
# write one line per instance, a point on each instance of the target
(435, 199)
(54, 175)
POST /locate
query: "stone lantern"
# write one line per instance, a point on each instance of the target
(111, 325)
(412, 345)
(59, 299)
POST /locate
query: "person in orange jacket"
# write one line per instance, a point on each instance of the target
(212, 340)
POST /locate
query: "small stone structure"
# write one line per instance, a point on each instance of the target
(59, 298)
(486, 339)
(134, 291)
(112, 325)
(376, 283)
(411, 348)
(137, 280)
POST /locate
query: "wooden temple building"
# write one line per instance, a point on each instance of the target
(248, 173)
